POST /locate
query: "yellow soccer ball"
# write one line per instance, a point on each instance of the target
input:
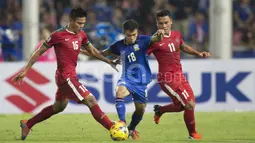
(119, 131)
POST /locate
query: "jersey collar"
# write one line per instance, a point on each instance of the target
(136, 41)
(69, 30)
(167, 36)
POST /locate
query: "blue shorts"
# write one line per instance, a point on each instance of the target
(138, 92)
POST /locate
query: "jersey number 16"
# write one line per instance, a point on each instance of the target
(75, 45)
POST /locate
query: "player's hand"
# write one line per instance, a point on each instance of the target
(161, 32)
(19, 78)
(114, 63)
(117, 61)
(205, 54)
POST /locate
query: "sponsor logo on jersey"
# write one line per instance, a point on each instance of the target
(136, 47)
(161, 44)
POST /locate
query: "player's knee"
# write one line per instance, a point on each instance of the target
(90, 101)
(120, 94)
(190, 105)
(140, 111)
(58, 108)
(61, 109)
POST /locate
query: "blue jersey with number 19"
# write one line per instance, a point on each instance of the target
(135, 66)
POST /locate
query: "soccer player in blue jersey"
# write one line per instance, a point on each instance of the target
(136, 73)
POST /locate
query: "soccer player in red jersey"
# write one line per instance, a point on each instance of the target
(67, 43)
(170, 77)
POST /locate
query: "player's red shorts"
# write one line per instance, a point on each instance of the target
(70, 88)
(179, 90)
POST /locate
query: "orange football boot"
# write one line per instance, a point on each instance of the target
(24, 129)
(157, 114)
(134, 134)
(195, 136)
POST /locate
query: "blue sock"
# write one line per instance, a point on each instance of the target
(121, 109)
(135, 121)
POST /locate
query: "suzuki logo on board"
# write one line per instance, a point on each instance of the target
(29, 91)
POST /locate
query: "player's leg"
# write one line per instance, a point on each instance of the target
(189, 115)
(96, 111)
(189, 119)
(121, 93)
(136, 119)
(185, 98)
(81, 95)
(172, 107)
(137, 115)
(45, 113)
(140, 101)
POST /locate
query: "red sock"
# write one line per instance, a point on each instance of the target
(189, 119)
(101, 117)
(171, 108)
(46, 113)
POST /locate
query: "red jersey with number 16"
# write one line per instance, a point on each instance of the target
(67, 47)
(167, 53)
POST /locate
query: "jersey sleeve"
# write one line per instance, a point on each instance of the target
(147, 41)
(114, 49)
(147, 44)
(181, 40)
(85, 40)
(51, 41)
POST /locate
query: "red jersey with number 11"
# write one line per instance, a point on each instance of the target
(167, 53)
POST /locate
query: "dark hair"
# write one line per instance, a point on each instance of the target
(163, 12)
(130, 25)
(77, 12)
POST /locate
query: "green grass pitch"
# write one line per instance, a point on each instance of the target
(216, 127)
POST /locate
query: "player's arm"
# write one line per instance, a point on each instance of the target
(107, 52)
(35, 56)
(85, 52)
(157, 37)
(30, 63)
(189, 50)
(92, 51)
(104, 53)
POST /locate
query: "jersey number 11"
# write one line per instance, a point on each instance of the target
(171, 46)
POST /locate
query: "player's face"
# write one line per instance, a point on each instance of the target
(131, 36)
(78, 24)
(164, 22)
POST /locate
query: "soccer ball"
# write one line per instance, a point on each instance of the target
(119, 131)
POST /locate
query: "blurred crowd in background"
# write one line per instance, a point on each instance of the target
(106, 16)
